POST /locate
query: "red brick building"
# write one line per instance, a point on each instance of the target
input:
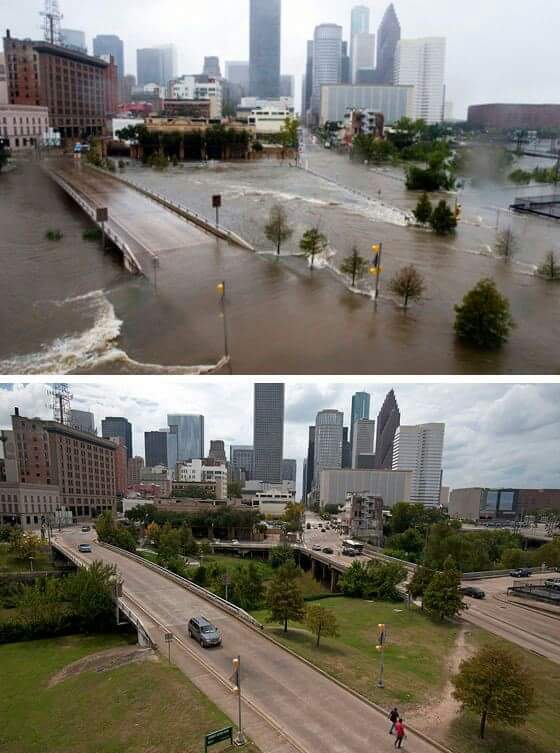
(80, 91)
(507, 117)
(121, 466)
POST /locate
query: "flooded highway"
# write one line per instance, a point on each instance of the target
(68, 307)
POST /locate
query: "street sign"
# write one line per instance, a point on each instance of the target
(218, 737)
(101, 214)
(217, 201)
(168, 637)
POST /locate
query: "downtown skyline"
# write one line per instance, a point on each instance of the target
(496, 435)
(470, 80)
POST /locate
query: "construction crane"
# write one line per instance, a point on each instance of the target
(59, 396)
(51, 23)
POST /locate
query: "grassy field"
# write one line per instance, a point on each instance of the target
(415, 654)
(137, 708)
(10, 564)
(542, 731)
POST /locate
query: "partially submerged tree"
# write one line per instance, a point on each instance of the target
(423, 210)
(355, 266)
(277, 229)
(495, 685)
(408, 284)
(443, 220)
(506, 244)
(550, 269)
(483, 319)
(321, 621)
(313, 243)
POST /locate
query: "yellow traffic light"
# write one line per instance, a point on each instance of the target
(381, 626)
(376, 248)
(379, 648)
(236, 689)
(220, 287)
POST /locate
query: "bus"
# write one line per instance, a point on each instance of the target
(357, 546)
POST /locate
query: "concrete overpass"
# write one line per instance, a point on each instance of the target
(289, 705)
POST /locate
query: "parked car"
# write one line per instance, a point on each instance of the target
(473, 592)
(348, 552)
(86, 529)
(553, 583)
(316, 547)
(328, 550)
(203, 631)
(522, 572)
(85, 548)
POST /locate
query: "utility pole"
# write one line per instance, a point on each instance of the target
(239, 738)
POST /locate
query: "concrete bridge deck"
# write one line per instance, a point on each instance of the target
(147, 228)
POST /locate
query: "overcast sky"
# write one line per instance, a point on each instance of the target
(495, 434)
(498, 50)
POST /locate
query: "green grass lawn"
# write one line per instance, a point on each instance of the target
(144, 707)
(542, 731)
(415, 654)
(10, 564)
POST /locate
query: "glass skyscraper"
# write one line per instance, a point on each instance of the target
(388, 37)
(110, 44)
(360, 409)
(155, 447)
(264, 51)
(185, 440)
(329, 436)
(268, 432)
(388, 421)
(117, 426)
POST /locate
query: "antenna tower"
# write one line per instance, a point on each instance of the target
(51, 22)
(59, 401)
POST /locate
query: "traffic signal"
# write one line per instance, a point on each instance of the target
(221, 288)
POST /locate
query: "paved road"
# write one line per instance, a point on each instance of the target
(150, 229)
(316, 712)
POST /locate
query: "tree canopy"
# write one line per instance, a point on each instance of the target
(284, 596)
(321, 622)
(483, 319)
(313, 243)
(443, 595)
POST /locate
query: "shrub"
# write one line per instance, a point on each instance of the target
(54, 235)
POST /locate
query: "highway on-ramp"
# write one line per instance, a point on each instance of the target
(315, 712)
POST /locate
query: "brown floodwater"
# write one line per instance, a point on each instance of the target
(67, 307)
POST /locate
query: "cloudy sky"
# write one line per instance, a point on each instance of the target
(498, 50)
(495, 434)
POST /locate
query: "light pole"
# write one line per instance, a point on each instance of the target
(239, 738)
(381, 648)
(376, 269)
(221, 288)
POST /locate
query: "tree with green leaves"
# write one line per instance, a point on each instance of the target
(506, 244)
(443, 220)
(277, 229)
(234, 489)
(443, 595)
(280, 555)
(495, 685)
(408, 284)
(420, 582)
(3, 156)
(313, 243)
(169, 546)
(289, 133)
(372, 579)
(284, 595)
(321, 621)
(25, 545)
(550, 269)
(424, 209)
(483, 319)
(248, 587)
(90, 594)
(355, 266)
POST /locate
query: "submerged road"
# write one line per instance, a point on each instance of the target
(152, 231)
(315, 712)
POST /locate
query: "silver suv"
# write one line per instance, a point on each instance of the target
(203, 631)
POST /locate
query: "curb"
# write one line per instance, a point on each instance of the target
(262, 631)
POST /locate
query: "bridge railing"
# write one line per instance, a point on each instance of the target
(227, 606)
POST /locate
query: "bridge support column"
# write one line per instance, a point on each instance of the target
(314, 565)
(334, 580)
(142, 640)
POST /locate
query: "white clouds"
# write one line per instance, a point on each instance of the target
(492, 55)
(496, 434)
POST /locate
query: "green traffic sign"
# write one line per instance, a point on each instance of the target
(218, 737)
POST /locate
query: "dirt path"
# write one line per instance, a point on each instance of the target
(103, 661)
(435, 718)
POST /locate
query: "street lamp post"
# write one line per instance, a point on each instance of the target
(239, 738)
(376, 269)
(221, 288)
(381, 648)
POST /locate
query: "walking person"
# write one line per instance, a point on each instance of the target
(394, 718)
(400, 733)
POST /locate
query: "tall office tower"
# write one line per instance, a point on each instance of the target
(363, 439)
(117, 426)
(217, 450)
(212, 67)
(242, 456)
(121, 466)
(308, 89)
(360, 409)
(287, 86)
(359, 24)
(388, 37)
(110, 44)
(155, 448)
(82, 420)
(310, 462)
(74, 39)
(327, 60)
(268, 431)
(420, 449)
(388, 421)
(329, 434)
(289, 470)
(3, 80)
(156, 65)
(363, 54)
(185, 440)
(264, 52)
(237, 73)
(345, 65)
(304, 487)
(135, 468)
(421, 63)
(346, 449)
